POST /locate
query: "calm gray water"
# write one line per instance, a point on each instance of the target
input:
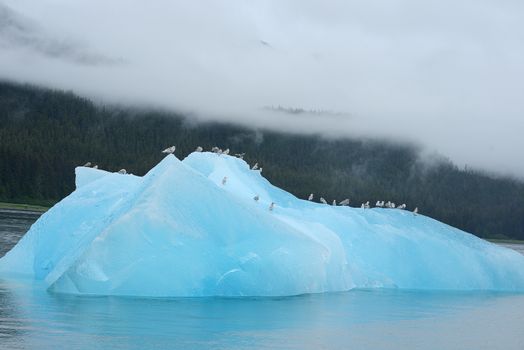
(31, 318)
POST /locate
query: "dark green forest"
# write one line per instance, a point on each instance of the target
(45, 134)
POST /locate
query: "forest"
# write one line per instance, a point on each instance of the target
(45, 134)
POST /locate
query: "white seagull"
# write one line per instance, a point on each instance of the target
(199, 149)
(255, 167)
(122, 171)
(415, 212)
(344, 202)
(322, 200)
(226, 152)
(310, 198)
(88, 164)
(169, 150)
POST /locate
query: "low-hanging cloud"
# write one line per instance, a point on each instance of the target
(17, 32)
(443, 73)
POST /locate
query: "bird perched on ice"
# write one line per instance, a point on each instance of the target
(402, 206)
(310, 198)
(344, 202)
(95, 166)
(256, 198)
(271, 206)
(224, 180)
(334, 202)
(260, 170)
(240, 155)
(322, 200)
(88, 164)
(226, 152)
(215, 149)
(169, 150)
(199, 149)
(255, 167)
(415, 211)
(122, 171)
(379, 204)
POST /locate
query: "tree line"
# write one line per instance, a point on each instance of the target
(45, 134)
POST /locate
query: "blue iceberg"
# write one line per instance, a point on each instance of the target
(181, 231)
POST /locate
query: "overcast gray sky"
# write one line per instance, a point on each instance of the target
(447, 74)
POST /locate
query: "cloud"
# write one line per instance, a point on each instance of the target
(17, 32)
(445, 74)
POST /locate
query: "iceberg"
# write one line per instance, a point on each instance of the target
(180, 231)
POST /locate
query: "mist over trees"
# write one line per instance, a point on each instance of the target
(45, 134)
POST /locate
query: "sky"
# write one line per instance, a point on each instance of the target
(448, 75)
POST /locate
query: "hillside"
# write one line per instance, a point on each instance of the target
(44, 134)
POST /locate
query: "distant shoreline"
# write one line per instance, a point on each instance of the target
(23, 207)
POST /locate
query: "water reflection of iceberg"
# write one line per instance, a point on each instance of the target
(359, 319)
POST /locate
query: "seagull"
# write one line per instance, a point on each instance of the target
(310, 198)
(415, 212)
(215, 149)
(378, 204)
(260, 170)
(240, 155)
(344, 202)
(322, 200)
(226, 152)
(199, 149)
(255, 167)
(95, 166)
(362, 206)
(388, 204)
(334, 202)
(366, 205)
(402, 206)
(271, 206)
(88, 164)
(122, 171)
(169, 150)
(392, 205)
(256, 198)
(224, 180)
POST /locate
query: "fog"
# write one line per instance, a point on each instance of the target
(445, 74)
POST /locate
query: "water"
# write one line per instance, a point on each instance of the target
(13, 225)
(31, 318)
(518, 247)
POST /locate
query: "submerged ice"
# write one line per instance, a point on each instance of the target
(181, 230)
